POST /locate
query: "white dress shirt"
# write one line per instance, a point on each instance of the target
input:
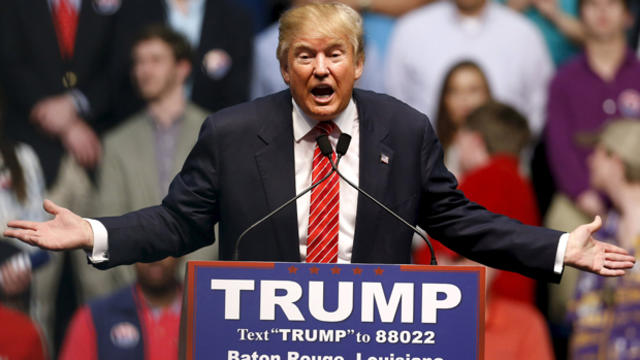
(510, 50)
(304, 146)
(303, 150)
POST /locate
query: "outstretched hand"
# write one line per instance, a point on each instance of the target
(586, 253)
(65, 232)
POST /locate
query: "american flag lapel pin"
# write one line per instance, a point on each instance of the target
(384, 158)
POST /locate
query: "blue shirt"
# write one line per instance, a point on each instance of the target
(188, 24)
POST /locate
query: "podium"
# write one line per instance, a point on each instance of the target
(300, 311)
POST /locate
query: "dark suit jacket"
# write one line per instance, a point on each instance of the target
(31, 68)
(225, 26)
(243, 166)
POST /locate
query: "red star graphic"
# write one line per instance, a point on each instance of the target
(357, 271)
(314, 270)
(335, 270)
(379, 271)
(293, 270)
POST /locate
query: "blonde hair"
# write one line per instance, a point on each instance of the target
(331, 19)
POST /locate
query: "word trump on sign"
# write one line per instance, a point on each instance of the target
(307, 311)
(285, 295)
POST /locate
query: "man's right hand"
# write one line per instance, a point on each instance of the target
(586, 253)
(66, 231)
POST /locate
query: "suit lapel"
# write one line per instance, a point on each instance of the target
(87, 19)
(276, 167)
(374, 174)
(41, 14)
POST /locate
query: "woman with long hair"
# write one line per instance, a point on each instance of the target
(21, 194)
(21, 182)
(465, 88)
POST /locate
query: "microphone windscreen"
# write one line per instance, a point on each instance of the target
(343, 144)
(324, 145)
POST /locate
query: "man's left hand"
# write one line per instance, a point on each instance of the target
(586, 253)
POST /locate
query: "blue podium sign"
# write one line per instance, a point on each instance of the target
(299, 311)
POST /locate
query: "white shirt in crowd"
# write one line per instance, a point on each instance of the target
(510, 50)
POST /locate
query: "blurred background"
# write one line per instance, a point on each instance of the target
(536, 104)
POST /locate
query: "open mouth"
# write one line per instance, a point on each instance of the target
(322, 92)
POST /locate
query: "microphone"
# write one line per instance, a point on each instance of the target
(324, 145)
(326, 150)
(343, 144)
(341, 148)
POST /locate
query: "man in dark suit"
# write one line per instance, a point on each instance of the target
(221, 33)
(252, 157)
(54, 60)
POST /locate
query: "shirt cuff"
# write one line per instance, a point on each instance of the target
(562, 248)
(100, 251)
(80, 102)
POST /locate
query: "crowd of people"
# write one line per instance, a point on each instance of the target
(536, 104)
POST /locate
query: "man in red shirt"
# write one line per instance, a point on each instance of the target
(140, 321)
(490, 144)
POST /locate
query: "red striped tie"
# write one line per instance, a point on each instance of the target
(66, 23)
(322, 241)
